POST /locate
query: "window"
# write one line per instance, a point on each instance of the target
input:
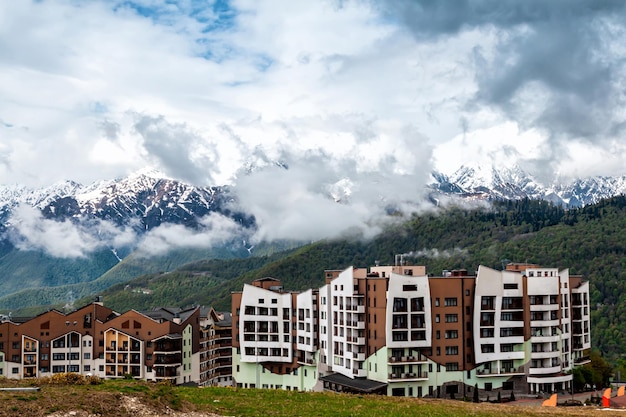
(450, 301)
(506, 316)
(452, 366)
(452, 318)
(452, 350)
(408, 287)
(399, 304)
(437, 302)
(452, 334)
(488, 348)
(44, 356)
(437, 318)
(488, 386)
(510, 286)
(417, 304)
(487, 303)
(58, 356)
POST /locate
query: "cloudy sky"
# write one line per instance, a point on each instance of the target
(97, 89)
(365, 96)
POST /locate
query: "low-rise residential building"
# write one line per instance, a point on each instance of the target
(395, 330)
(158, 345)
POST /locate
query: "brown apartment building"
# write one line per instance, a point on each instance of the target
(158, 345)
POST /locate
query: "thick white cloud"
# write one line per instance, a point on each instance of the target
(215, 230)
(63, 239)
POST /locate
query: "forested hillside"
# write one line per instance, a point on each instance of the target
(589, 241)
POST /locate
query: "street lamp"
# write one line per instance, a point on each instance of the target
(67, 323)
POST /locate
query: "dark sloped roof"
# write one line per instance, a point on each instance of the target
(357, 384)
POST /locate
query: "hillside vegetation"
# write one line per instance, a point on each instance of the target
(135, 398)
(589, 241)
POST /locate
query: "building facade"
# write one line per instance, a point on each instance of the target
(159, 345)
(395, 330)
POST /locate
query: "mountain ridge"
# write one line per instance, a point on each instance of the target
(492, 182)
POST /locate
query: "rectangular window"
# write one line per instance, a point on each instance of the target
(488, 348)
(452, 350)
(452, 366)
(452, 318)
(450, 301)
(510, 286)
(409, 287)
(507, 347)
(452, 334)
(400, 305)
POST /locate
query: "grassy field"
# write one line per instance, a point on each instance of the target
(133, 398)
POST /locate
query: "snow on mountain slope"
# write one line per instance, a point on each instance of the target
(512, 182)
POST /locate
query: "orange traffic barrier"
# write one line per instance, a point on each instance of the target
(550, 402)
(606, 398)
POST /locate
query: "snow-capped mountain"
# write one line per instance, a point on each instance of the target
(143, 200)
(147, 199)
(512, 182)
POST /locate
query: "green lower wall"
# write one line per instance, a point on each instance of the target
(249, 375)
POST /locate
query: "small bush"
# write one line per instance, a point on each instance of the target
(70, 378)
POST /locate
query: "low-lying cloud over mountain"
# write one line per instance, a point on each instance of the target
(154, 214)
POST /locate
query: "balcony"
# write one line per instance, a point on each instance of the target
(545, 354)
(411, 376)
(503, 371)
(544, 371)
(408, 359)
(582, 361)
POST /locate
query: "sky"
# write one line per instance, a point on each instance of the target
(360, 99)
